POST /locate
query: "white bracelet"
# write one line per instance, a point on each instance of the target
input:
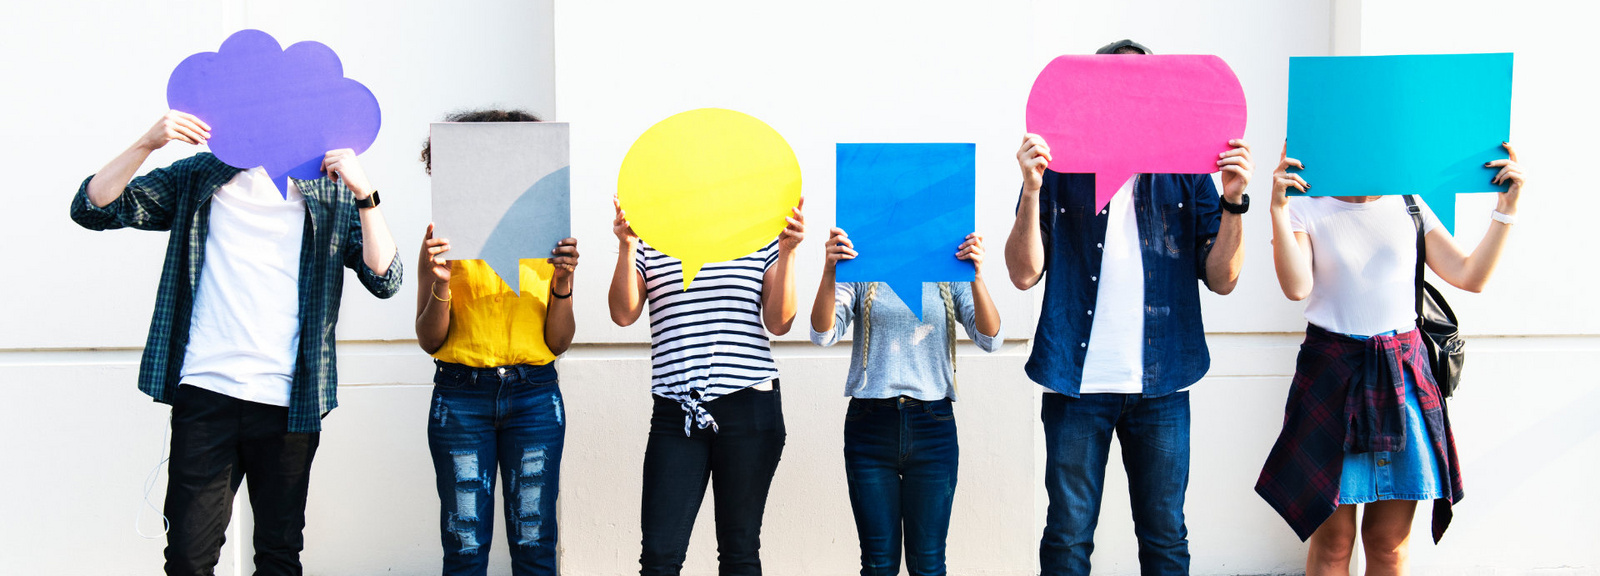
(1503, 218)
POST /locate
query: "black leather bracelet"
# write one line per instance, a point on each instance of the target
(554, 294)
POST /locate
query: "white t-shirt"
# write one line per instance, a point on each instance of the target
(1115, 360)
(244, 332)
(1363, 262)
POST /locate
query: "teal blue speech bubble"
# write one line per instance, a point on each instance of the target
(1386, 125)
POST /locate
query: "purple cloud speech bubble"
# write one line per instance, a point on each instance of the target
(281, 109)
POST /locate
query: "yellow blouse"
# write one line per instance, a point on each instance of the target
(492, 326)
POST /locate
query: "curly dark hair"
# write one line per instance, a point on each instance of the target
(483, 115)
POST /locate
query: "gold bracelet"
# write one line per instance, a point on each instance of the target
(432, 291)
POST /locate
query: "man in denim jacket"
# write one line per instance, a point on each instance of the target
(242, 340)
(1119, 338)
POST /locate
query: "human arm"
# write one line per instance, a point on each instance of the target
(626, 297)
(559, 324)
(1025, 245)
(980, 317)
(112, 198)
(1226, 257)
(831, 312)
(433, 293)
(378, 249)
(1291, 251)
(1471, 272)
(779, 303)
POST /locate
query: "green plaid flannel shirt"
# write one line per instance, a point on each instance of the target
(176, 198)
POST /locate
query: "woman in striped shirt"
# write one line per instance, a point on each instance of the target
(718, 415)
(900, 448)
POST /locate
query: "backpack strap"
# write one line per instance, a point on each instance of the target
(1422, 249)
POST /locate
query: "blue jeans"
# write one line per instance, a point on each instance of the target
(511, 418)
(900, 460)
(1154, 433)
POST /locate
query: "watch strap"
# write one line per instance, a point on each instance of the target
(1240, 208)
(371, 201)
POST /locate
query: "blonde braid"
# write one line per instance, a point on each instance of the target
(866, 322)
(949, 324)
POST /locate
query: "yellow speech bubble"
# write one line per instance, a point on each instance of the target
(708, 185)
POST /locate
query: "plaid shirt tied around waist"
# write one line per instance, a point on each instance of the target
(177, 199)
(1348, 395)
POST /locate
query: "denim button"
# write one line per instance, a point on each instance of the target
(1094, 278)
(1083, 344)
(1091, 312)
(500, 371)
(1180, 204)
(1099, 245)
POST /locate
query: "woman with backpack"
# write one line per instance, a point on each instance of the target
(1365, 423)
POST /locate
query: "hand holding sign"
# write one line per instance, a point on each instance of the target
(1117, 115)
(502, 193)
(709, 185)
(1382, 125)
(280, 109)
(909, 209)
(176, 125)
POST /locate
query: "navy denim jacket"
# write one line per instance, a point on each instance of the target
(1179, 215)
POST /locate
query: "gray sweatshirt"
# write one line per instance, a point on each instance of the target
(906, 357)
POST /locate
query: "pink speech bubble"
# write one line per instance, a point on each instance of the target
(1118, 115)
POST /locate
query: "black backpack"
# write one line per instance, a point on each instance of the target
(1440, 331)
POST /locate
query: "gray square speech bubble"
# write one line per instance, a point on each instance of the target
(501, 191)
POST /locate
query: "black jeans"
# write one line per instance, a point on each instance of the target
(218, 441)
(740, 458)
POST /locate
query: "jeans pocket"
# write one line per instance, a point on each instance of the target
(856, 411)
(941, 411)
(451, 378)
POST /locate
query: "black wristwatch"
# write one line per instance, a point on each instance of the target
(1240, 208)
(371, 201)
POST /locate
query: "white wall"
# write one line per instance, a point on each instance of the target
(81, 438)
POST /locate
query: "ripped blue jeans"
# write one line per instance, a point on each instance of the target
(510, 418)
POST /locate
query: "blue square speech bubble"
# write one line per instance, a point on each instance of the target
(1387, 125)
(907, 208)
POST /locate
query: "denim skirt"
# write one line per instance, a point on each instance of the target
(1412, 473)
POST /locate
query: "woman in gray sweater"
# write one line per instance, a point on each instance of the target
(900, 431)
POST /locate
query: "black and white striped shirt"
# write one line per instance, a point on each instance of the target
(707, 341)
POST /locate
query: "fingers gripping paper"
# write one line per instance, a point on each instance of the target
(906, 208)
(1118, 115)
(1385, 125)
(708, 185)
(501, 191)
(280, 109)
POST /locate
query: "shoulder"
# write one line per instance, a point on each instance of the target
(207, 162)
(1308, 206)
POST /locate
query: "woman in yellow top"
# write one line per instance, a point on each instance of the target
(495, 400)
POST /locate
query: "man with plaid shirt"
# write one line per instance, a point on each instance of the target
(242, 340)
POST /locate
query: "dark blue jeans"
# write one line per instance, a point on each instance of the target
(483, 418)
(900, 460)
(1154, 433)
(739, 459)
